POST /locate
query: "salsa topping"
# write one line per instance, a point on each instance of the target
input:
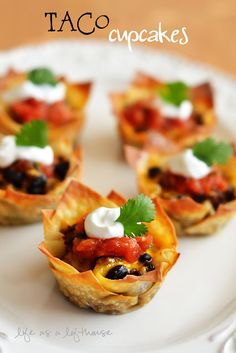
(204, 186)
(32, 109)
(129, 249)
(213, 187)
(28, 109)
(144, 116)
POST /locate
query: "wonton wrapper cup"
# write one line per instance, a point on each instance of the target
(77, 95)
(90, 289)
(17, 207)
(144, 88)
(188, 216)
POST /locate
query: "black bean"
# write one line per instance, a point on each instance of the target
(70, 234)
(153, 172)
(145, 258)
(229, 194)
(37, 185)
(140, 128)
(117, 272)
(199, 198)
(13, 176)
(198, 119)
(150, 267)
(135, 272)
(61, 169)
(179, 197)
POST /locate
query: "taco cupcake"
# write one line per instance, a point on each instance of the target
(107, 253)
(167, 115)
(196, 187)
(40, 95)
(33, 173)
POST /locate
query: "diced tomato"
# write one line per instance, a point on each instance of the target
(86, 248)
(22, 165)
(144, 242)
(212, 182)
(142, 116)
(128, 248)
(32, 109)
(80, 226)
(193, 185)
(29, 109)
(125, 247)
(48, 170)
(183, 125)
(59, 113)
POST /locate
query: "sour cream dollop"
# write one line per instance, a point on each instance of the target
(187, 165)
(27, 89)
(10, 152)
(171, 111)
(101, 223)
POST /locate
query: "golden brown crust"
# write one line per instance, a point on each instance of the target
(116, 198)
(20, 208)
(91, 289)
(188, 216)
(76, 96)
(213, 223)
(144, 87)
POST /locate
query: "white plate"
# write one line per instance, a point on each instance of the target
(198, 294)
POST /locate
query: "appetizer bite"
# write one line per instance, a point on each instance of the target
(108, 254)
(196, 187)
(166, 115)
(40, 95)
(32, 173)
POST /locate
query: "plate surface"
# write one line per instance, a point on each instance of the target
(198, 294)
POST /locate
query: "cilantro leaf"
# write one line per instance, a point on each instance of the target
(42, 76)
(34, 133)
(174, 93)
(134, 212)
(212, 152)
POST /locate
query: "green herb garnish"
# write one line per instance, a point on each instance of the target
(42, 76)
(174, 93)
(211, 151)
(134, 212)
(34, 133)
